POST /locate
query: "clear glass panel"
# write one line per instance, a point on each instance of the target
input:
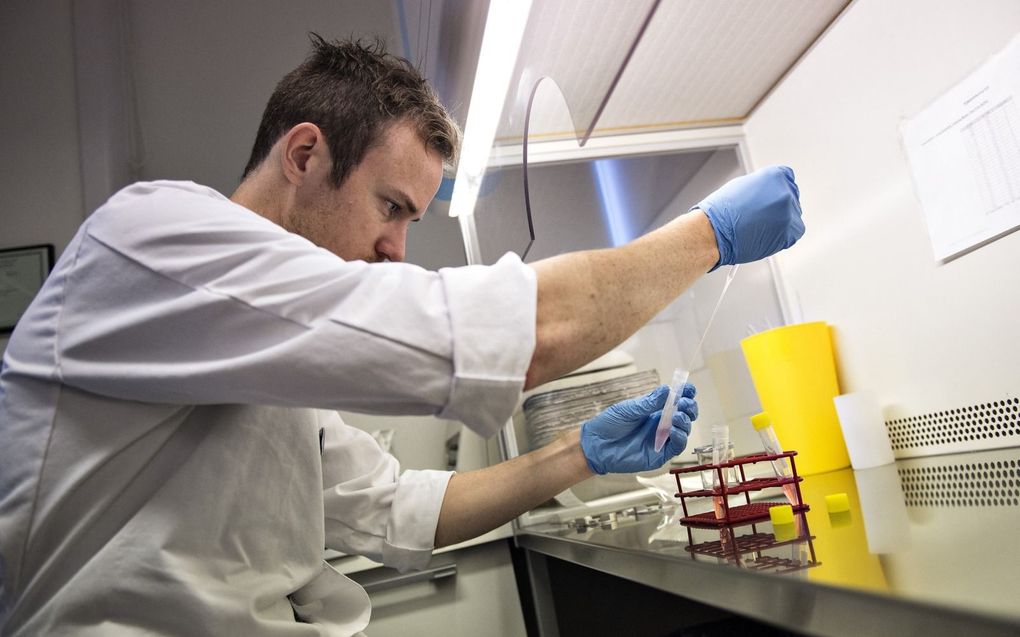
(586, 204)
(564, 76)
(584, 61)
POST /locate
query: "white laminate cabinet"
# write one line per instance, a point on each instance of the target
(480, 598)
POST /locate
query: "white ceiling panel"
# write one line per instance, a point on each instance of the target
(699, 63)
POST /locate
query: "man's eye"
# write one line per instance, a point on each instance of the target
(392, 208)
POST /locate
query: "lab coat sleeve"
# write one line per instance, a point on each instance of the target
(483, 355)
(194, 304)
(373, 509)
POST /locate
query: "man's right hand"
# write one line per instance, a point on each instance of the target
(755, 216)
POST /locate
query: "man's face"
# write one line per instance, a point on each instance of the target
(368, 217)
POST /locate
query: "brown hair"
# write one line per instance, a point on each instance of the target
(352, 91)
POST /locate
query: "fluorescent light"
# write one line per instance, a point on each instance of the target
(501, 41)
(613, 197)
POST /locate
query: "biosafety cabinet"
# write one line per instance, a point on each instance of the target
(616, 118)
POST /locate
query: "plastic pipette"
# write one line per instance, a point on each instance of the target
(680, 375)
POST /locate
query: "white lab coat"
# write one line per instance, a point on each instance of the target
(171, 462)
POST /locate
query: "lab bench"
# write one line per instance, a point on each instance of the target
(928, 547)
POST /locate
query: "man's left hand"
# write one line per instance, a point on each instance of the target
(621, 439)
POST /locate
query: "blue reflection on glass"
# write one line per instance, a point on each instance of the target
(613, 197)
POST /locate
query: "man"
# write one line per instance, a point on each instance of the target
(172, 459)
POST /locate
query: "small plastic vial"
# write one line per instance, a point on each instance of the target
(763, 425)
(722, 451)
(708, 479)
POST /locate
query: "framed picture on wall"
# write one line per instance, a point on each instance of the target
(22, 272)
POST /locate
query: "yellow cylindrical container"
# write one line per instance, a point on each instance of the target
(794, 373)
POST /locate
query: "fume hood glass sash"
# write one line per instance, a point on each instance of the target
(582, 48)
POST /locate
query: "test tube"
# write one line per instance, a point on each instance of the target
(676, 386)
(704, 454)
(781, 466)
(722, 451)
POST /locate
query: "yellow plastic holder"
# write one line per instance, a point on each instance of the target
(794, 374)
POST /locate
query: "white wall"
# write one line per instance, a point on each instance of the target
(925, 337)
(204, 71)
(40, 184)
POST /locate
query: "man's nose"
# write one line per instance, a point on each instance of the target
(393, 246)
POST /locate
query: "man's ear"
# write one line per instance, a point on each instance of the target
(304, 153)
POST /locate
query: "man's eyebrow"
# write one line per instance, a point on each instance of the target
(405, 201)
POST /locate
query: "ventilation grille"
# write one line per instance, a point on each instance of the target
(995, 483)
(984, 426)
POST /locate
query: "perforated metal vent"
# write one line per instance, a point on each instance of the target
(983, 426)
(995, 483)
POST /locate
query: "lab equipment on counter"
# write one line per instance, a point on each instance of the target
(770, 442)
(748, 513)
(566, 403)
(549, 414)
(794, 374)
(867, 439)
(704, 454)
(680, 375)
(722, 452)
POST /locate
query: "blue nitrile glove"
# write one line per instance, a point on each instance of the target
(622, 438)
(755, 216)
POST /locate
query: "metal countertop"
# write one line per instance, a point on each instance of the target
(930, 546)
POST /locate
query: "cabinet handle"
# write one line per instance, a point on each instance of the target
(428, 575)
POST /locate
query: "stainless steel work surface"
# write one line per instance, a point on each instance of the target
(929, 546)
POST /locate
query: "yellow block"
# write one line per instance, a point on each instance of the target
(782, 514)
(794, 373)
